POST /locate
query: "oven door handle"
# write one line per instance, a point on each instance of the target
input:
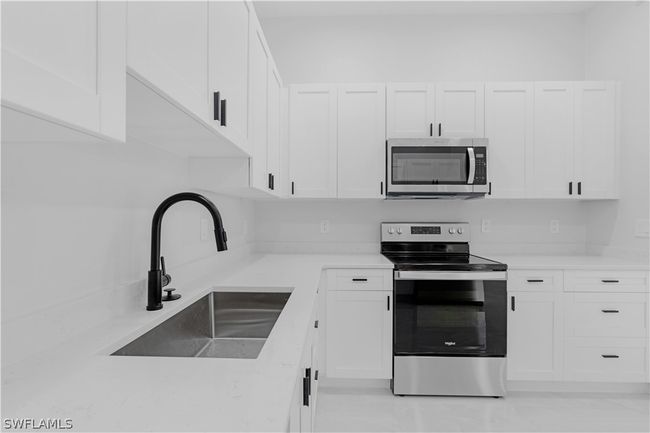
(467, 276)
(472, 165)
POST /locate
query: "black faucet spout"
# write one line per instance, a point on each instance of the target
(155, 276)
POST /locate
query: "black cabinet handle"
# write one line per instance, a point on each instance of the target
(388, 303)
(512, 303)
(570, 188)
(273, 182)
(316, 375)
(610, 356)
(223, 112)
(535, 281)
(609, 281)
(292, 188)
(270, 181)
(579, 188)
(489, 188)
(316, 324)
(217, 103)
(430, 129)
(381, 188)
(439, 129)
(610, 311)
(359, 279)
(308, 376)
(305, 391)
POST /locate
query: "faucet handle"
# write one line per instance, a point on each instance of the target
(166, 278)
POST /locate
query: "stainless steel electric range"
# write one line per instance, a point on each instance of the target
(449, 319)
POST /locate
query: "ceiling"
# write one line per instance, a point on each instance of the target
(284, 9)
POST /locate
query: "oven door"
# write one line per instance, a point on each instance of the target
(450, 313)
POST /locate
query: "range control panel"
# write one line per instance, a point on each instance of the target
(425, 232)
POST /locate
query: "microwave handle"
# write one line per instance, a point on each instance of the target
(472, 165)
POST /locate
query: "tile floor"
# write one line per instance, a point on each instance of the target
(346, 409)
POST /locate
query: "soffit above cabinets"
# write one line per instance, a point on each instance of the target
(288, 9)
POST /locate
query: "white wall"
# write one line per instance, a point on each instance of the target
(425, 48)
(76, 222)
(617, 49)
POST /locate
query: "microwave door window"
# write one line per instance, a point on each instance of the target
(428, 166)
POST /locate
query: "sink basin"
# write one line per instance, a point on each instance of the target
(219, 325)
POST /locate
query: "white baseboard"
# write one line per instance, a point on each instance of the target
(605, 387)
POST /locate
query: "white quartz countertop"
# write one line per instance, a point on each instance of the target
(569, 262)
(98, 392)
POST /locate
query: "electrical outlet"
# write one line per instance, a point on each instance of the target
(555, 226)
(205, 229)
(325, 226)
(642, 228)
(486, 226)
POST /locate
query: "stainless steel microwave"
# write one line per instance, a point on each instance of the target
(436, 167)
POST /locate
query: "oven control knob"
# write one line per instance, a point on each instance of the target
(391, 230)
(399, 230)
(459, 230)
(451, 231)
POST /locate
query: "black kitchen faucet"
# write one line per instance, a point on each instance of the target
(158, 278)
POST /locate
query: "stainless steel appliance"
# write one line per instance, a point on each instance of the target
(449, 316)
(436, 168)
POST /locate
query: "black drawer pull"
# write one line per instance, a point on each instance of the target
(610, 356)
(359, 279)
(430, 129)
(579, 188)
(535, 281)
(223, 112)
(439, 129)
(293, 188)
(609, 281)
(216, 105)
(610, 311)
(570, 188)
(388, 303)
(512, 303)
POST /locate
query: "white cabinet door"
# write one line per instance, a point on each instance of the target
(596, 144)
(509, 127)
(361, 140)
(274, 109)
(312, 140)
(259, 84)
(65, 61)
(359, 334)
(459, 110)
(228, 67)
(534, 336)
(553, 141)
(410, 110)
(168, 46)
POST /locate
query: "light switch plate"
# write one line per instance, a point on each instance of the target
(642, 228)
(486, 226)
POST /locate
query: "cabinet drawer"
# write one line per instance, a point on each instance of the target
(605, 281)
(360, 279)
(606, 360)
(606, 314)
(535, 280)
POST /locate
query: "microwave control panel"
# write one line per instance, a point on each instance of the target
(480, 174)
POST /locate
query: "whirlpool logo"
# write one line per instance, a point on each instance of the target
(450, 343)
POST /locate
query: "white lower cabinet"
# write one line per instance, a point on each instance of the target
(359, 317)
(578, 325)
(534, 336)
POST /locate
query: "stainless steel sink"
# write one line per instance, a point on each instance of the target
(219, 325)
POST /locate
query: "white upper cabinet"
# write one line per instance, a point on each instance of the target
(312, 140)
(596, 145)
(509, 127)
(552, 154)
(275, 133)
(410, 110)
(259, 61)
(228, 68)
(168, 47)
(361, 140)
(65, 62)
(459, 110)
